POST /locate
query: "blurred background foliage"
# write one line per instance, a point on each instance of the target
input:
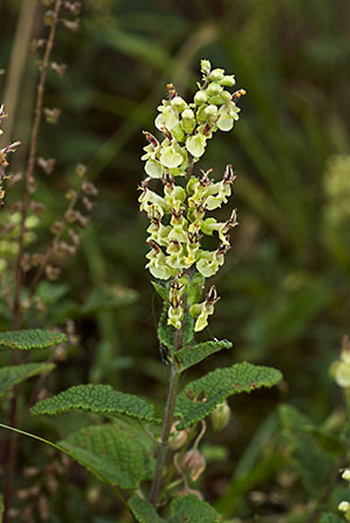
(285, 286)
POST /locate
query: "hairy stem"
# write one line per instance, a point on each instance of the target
(16, 312)
(164, 443)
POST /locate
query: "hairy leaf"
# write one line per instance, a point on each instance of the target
(193, 510)
(31, 339)
(200, 397)
(190, 356)
(100, 399)
(113, 455)
(11, 376)
(104, 298)
(143, 511)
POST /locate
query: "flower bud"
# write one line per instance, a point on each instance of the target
(200, 97)
(346, 475)
(220, 416)
(214, 89)
(228, 81)
(217, 75)
(193, 464)
(188, 114)
(211, 111)
(178, 438)
(178, 103)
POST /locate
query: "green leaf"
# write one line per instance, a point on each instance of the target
(31, 339)
(143, 511)
(188, 332)
(166, 332)
(99, 399)
(331, 518)
(200, 397)
(191, 509)
(111, 454)
(189, 356)
(105, 298)
(309, 459)
(163, 290)
(11, 376)
(195, 289)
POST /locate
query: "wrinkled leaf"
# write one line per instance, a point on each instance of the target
(31, 339)
(189, 356)
(99, 399)
(15, 374)
(200, 397)
(110, 453)
(143, 511)
(191, 509)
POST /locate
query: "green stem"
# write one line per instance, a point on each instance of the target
(164, 443)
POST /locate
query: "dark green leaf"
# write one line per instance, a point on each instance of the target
(200, 397)
(191, 509)
(190, 356)
(112, 454)
(143, 511)
(100, 399)
(11, 376)
(31, 339)
(163, 290)
(166, 333)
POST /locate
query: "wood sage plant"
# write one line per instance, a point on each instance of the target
(152, 464)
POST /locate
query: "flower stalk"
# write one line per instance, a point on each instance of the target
(178, 220)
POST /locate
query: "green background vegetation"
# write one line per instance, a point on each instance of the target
(285, 284)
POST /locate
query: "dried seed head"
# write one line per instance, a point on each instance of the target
(59, 69)
(37, 208)
(46, 164)
(52, 273)
(88, 204)
(52, 115)
(71, 26)
(89, 188)
(57, 227)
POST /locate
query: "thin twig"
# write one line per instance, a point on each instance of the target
(16, 312)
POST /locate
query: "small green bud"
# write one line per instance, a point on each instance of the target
(188, 114)
(205, 67)
(211, 111)
(217, 75)
(178, 103)
(214, 89)
(228, 81)
(220, 416)
(200, 97)
(346, 475)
